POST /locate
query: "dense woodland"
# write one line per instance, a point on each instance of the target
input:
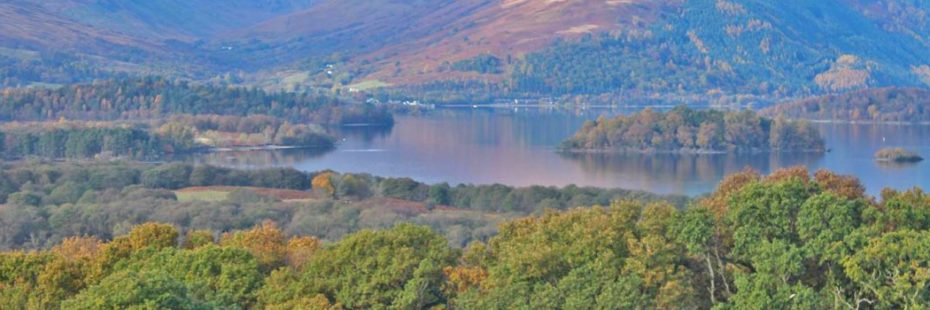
(484, 63)
(86, 140)
(24, 68)
(687, 130)
(47, 202)
(904, 105)
(787, 240)
(154, 97)
(157, 139)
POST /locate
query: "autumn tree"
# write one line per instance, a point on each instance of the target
(266, 242)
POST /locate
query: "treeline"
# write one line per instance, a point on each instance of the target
(488, 198)
(87, 140)
(154, 139)
(905, 105)
(484, 64)
(21, 68)
(43, 203)
(688, 130)
(155, 97)
(787, 240)
(38, 181)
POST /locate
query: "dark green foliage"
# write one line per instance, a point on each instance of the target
(173, 176)
(154, 97)
(82, 142)
(402, 270)
(687, 130)
(136, 290)
(440, 194)
(404, 188)
(897, 155)
(223, 277)
(50, 67)
(484, 63)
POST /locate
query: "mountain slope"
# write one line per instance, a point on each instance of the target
(640, 47)
(64, 41)
(31, 26)
(786, 48)
(178, 19)
(507, 48)
(407, 41)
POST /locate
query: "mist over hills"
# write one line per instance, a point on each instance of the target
(505, 47)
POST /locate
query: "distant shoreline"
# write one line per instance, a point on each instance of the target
(271, 147)
(844, 122)
(681, 151)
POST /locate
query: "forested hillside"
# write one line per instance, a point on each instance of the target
(154, 97)
(787, 240)
(81, 141)
(748, 47)
(157, 139)
(627, 49)
(895, 105)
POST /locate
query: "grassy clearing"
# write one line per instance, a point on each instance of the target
(296, 79)
(209, 196)
(370, 84)
(221, 193)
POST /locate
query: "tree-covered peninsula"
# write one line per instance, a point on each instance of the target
(157, 98)
(688, 130)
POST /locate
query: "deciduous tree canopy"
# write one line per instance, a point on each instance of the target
(787, 240)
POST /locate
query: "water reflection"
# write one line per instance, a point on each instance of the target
(259, 158)
(682, 172)
(516, 147)
(364, 133)
(893, 165)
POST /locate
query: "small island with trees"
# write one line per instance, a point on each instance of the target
(686, 130)
(897, 155)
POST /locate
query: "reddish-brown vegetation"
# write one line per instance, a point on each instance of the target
(282, 194)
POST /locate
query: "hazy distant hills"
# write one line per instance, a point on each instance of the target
(177, 18)
(408, 41)
(519, 47)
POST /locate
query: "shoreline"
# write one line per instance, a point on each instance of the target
(268, 147)
(681, 152)
(843, 122)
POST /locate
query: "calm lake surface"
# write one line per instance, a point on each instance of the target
(517, 147)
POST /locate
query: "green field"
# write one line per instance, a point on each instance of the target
(202, 195)
(369, 84)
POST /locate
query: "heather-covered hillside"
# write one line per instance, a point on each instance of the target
(504, 48)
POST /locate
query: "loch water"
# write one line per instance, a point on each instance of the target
(517, 146)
